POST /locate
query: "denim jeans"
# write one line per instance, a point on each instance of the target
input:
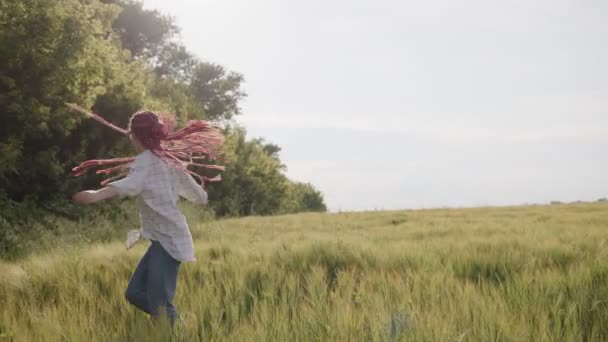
(152, 285)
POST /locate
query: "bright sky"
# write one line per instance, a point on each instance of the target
(407, 104)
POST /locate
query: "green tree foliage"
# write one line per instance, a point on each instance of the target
(253, 182)
(217, 90)
(117, 57)
(152, 37)
(50, 53)
(303, 197)
(145, 33)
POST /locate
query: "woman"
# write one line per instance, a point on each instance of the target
(158, 175)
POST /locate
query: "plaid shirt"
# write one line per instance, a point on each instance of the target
(159, 186)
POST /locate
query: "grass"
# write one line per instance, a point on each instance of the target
(537, 273)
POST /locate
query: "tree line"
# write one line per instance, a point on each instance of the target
(116, 57)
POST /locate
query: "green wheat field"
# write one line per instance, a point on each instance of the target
(535, 273)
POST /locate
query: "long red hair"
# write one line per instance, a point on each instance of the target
(198, 141)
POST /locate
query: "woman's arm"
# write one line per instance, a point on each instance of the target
(190, 190)
(92, 196)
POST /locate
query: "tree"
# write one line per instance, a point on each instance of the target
(152, 37)
(51, 53)
(115, 57)
(145, 33)
(217, 90)
(303, 197)
(253, 182)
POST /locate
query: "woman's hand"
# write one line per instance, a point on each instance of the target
(84, 197)
(92, 196)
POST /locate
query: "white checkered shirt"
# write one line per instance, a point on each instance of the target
(159, 186)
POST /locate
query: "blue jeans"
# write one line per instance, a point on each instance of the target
(152, 285)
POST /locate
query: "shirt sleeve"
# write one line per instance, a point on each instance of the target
(133, 184)
(191, 190)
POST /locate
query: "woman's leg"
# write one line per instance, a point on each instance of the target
(162, 280)
(137, 288)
